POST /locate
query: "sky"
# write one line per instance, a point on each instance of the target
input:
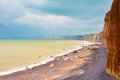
(34, 18)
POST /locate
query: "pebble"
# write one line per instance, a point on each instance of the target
(75, 51)
(66, 58)
(51, 65)
(76, 56)
(58, 58)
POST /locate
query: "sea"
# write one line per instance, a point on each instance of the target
(15, 54)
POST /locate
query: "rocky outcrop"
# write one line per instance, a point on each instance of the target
(112, 39)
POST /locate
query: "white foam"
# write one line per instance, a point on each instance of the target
(85, 43)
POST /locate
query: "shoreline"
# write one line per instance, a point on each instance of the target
(46, 60)
(88, 63)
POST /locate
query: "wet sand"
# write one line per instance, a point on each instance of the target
(87, 63)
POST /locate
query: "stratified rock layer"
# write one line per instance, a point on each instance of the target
(112, 37)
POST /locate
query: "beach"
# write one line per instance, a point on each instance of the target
(87, 63)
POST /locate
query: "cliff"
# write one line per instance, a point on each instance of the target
(106, 26)
(111, 38)
(94, 37)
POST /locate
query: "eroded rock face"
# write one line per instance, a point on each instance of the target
(112, 40)
(106, 26)
(94, 37)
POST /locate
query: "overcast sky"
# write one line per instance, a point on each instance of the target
(51, 17)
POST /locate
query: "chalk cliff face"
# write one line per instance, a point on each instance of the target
(94, 37)
(90, 37)
(112, 39)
